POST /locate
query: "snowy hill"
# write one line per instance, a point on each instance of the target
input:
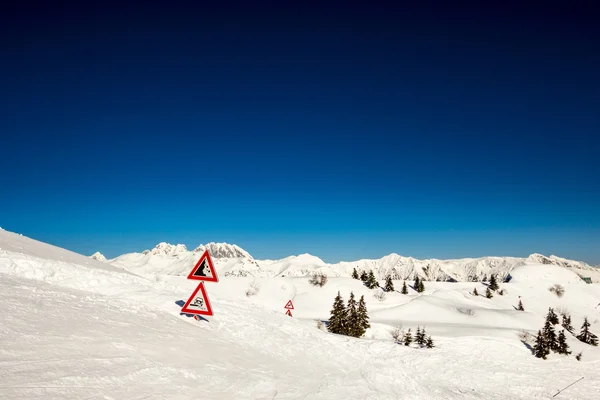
(74, 328)
(231, 260)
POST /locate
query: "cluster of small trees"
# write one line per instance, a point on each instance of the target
(419, 286)
(421, 338)
(368, 278)
(351, 319)
(547, 340)
(492, 287)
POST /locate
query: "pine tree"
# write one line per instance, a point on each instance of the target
(488, 292)
(389, 285)
(421, 286)
(416, 283)
(404, 288)
(578, 356)
(408, 338)
(363, 317)
(552, 317)
(520, 306)
(475, 292)
(429, 342)
(566, 323)
(540, 350)
(550, 336)
(354, 274)
(484, 279)
(563, 347)
(420, 336)
(586, 336)
(351, 318)
(337, 319)
(493, 284)
(364, 276)
(371, 282)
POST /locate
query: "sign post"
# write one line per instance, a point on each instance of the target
(203, 271)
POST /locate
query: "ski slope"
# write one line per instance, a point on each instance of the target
(77, 328)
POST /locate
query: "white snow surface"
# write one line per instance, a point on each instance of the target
(76, 328)
(231, 260)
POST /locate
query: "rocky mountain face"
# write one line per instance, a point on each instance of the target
(232, 260)
(98, 256)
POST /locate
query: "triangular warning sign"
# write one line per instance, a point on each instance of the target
(204, 270)
(288, 312)
(289, 305)
(198, 302)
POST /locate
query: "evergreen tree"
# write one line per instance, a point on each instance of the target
(416, 283)
(563, 347)
(475, 292)
(404, 288)
(550, 336)
(566, 323)
(493, 284)
(578, 356)
(488, 293)
(371, 282)
(520, 306)
(429, 342)
(363, 317)
(354, 274)
(337, 319)
(552, 317)
(484, 279)
(408, 338)
(389, 285)
(421, 286)
(351, 319)
(586, 336)
(501, 292)
(420, 336)
(540, 350)
(364, 276)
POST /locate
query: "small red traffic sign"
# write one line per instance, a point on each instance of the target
(198, 302)
(204, 270)
(289, 305)
(288, 312)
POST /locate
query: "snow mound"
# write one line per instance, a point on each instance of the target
(544, 273)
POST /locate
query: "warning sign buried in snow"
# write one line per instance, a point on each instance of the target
(198, 302)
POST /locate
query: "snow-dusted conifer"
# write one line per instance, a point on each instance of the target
(363, 317)
(389, 285)
(520, 306)
(493, 284)
(337, 319)
(566, 323)
(540, 349)
(354, 274)
(429, 342)
(475, 292)
(404, 288)
(488, 293)
(563, 347)
(351, 321)
(408, 338)
(586, 336)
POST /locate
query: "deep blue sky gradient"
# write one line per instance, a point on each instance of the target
(346, 131)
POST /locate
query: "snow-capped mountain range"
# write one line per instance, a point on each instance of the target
(232, 260)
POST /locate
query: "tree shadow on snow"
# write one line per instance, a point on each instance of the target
(528, 346)
(181, 303)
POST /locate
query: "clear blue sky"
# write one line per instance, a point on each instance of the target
(433, 130)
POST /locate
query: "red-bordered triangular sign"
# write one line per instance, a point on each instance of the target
(289, 305)
(198, 302)
(288, 312)
(204, 270)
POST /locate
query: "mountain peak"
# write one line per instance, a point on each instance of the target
(223, 250)
(98, 256)
(167, 249)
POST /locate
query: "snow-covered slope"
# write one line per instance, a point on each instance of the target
(231, 260)
(75, 328)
